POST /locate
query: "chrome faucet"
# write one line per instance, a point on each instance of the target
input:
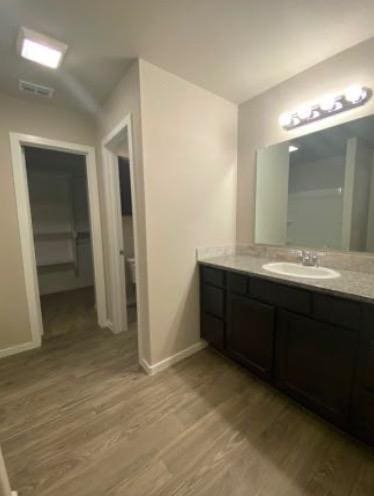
(308, 258)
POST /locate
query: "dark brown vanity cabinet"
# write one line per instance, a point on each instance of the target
(212, 299)
(315, 363)
(316, 347)
(250, 333)
(363, 404)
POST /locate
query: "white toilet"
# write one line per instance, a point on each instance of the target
(131, 265)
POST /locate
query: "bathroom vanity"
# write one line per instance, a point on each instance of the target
(312, 339)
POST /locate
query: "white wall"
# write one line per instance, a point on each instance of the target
(349, 186)
(357, 195)
(325, 173)
(361, 193)
(189, 143)
(315, 219)
(258, 118)
(315, 203)
(370, 227)
(272, 173)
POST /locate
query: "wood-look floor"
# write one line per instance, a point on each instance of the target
(79, 418)
(68, 311)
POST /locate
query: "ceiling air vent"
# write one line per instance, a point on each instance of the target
(35, 89)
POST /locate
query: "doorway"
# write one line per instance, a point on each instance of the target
(57, 184)
(61, 230)
(119, 172)
(128, 236)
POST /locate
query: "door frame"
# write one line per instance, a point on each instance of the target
(17, 142)
(117, 285)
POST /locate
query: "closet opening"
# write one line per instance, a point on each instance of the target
(125, 244)
(59, 206)
(128, 236)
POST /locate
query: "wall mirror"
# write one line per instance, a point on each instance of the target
(317, 190)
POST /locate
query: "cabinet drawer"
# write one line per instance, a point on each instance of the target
(213, 276)
(237, 283)
(294, 299)
(213, 330)
(213, 300)
(337, 311)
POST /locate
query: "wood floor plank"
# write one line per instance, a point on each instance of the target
(79, 417)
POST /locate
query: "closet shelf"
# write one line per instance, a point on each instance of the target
(54, 263)
(60, 234)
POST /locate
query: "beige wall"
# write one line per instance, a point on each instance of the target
(258, 118)
(24, 116)
(189, 144)
(124, 100)
(185, 191)
(272, 195)
(185, 174)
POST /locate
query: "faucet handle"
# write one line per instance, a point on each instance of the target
(315, 259)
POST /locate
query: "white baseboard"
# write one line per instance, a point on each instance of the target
(145, 366)
(167, 362)
(19, 348)
(108, 324)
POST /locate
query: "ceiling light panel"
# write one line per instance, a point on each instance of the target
(40, 48)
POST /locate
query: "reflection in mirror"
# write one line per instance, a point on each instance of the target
(317, 191)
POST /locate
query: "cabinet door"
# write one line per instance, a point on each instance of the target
(363, 407)
(315, 364)
(250, 334)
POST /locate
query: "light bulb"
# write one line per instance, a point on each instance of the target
(285, 119)
(354, 93)
(305, 112)
(328, 103)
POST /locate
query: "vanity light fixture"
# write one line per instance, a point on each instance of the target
(293, 148)
(285, 119)
(355, 93)
(305, 112)
(40, 48)
(330, 104)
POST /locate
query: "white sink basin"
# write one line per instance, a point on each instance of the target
(298, 270)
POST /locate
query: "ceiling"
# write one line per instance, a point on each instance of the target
(234, 48)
